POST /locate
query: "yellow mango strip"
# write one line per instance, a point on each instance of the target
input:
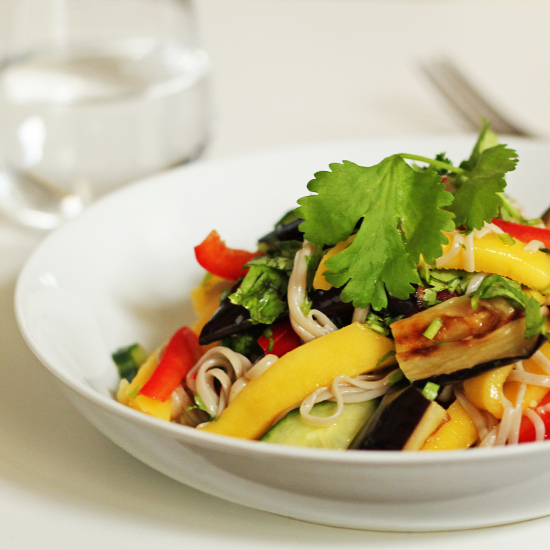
(458, 433)
(319, 281)
(491, 255)
(485, 390)
(533, 394)
(128, 394)
(350, 351)
(540, 298)
(206, 299)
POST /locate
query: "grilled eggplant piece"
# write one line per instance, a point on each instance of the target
(285, 232)
(402, 422)
(468, 342)
(231, 319)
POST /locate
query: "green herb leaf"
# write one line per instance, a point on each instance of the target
(276, 262)
(495, 285)
(430, 391)
(506, 239)
(134, 393)
(403, 216)
(387, 355)
(477, 197)
(377, 324)
(396, 376)
(199, 405)
(245, 342)
(433, 328)
(262, 292)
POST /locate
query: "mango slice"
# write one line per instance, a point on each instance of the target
(491, 255)
(128, 395)
(350, 351)
(458, 433)
(206, 298)
(319, 281)
(485, 390)
(533, 394)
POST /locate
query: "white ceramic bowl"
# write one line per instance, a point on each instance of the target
(122, 273)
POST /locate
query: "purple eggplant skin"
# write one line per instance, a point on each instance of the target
(285, 232)
(230, 319)
(397, 306)
(395, 420)
(464, 374)
(290, 232)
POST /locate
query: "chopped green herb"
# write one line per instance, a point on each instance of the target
(424, 272)
(276, 262)
(533, 221)
(429, 297)
(430, 391)
(262, 292)
(133, 394)
(433, 329)
(268, 333)
(285, 249)
(506, 239)
(199, 405)
(508, 210)
(246, 342)
(376, 323)
(395, 377)
(386, 356)
(306, 306)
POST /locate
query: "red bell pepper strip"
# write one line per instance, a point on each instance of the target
(218, 259)
(182, 352)
(525, 233)
(527, 429)
(283, 339)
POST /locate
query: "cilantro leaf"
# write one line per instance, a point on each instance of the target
(262, 292)
(276, 262)
(496, 285)
(402, 217)
(481, 180)
(246, 342)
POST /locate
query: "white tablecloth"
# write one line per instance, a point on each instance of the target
(284, 72)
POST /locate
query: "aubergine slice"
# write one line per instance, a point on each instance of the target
(402, 422)
(285, 232)
(469, 341)
(230, 319)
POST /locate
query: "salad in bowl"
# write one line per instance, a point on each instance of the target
(357, 327)
(401, 307)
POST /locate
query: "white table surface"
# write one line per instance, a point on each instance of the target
(285, 72)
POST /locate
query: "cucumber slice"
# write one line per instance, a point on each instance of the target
(129, 359)
(291, 430)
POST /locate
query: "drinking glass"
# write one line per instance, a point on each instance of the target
(94, 94)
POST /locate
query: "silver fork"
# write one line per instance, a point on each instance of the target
(466, 100)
